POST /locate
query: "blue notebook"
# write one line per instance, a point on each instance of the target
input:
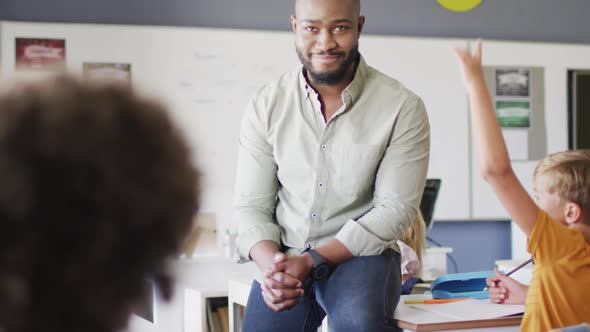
(461, 285)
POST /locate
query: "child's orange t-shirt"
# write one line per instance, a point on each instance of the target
(559, 294)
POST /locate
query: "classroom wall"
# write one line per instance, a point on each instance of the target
(533, 20)
(515, 20)
(477, 245)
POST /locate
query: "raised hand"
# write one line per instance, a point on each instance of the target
(471, 68)
(506, 290)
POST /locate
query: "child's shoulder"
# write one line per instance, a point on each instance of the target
(551, 240)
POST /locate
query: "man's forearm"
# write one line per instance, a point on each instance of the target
(334, 252)
(263, 252)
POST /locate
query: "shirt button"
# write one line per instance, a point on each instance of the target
(323, 147)
(314, 215)
(321, 184)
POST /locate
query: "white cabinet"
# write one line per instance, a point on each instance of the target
(434, 262)
(202, 279)
(197, 280)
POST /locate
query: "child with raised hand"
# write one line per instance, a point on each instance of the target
(564, 181)
(555, 223)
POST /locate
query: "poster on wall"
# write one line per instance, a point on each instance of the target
(40, 54)
(513, 113)
(513, 82)
(202, 240)
(518, 100)
(120, 72)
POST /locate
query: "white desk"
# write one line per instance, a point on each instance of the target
(239, 289)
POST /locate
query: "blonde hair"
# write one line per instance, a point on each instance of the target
(415, 237)
(568, 175)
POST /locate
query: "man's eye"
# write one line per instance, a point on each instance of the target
(310, 29)
(340, 28)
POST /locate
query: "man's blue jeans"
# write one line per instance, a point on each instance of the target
(360, 295)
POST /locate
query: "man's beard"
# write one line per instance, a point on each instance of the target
(329, 77)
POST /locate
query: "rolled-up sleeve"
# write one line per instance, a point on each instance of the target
(399, 184)
(256, 183)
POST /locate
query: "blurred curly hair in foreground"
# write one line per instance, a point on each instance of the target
(97, 192)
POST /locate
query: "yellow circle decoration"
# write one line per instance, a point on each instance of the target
(459, 5)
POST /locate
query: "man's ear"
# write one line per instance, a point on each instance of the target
(573, 213)
(361, 24)
(293, 22)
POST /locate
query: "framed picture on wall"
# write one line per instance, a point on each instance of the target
(120, 72)
(40, 54)
(513, 82)
(513, 113)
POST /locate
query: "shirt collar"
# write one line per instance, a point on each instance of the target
(306, 88)
(355, 87)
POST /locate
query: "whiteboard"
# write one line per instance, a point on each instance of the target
(207, 76)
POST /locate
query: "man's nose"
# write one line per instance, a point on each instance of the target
(326, 41)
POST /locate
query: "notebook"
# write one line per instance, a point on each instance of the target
(472, 309)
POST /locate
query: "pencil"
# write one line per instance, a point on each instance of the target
(433, 301)
(515, 269)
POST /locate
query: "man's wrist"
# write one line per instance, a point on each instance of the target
(308, 260)
(263, 252)
(318, 267)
